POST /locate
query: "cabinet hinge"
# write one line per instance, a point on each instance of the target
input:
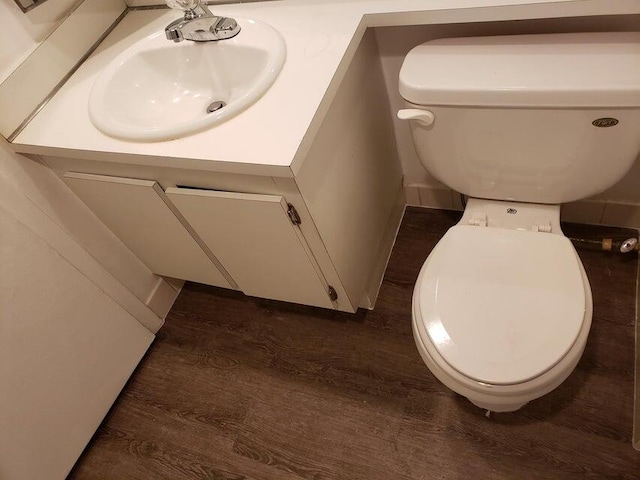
(293, 214)
(479, 221)
(333, 295)
(542, 227)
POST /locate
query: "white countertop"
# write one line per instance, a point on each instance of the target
(272, 136)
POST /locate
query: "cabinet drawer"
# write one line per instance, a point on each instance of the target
(139, 213)
(254, 238)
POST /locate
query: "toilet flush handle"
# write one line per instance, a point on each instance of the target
(423, 117)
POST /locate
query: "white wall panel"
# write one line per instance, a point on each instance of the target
(66, 351)
(30, 82)
(27, 30)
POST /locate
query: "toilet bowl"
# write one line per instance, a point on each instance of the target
(502, 306)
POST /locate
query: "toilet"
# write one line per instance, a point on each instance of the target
(502, 306)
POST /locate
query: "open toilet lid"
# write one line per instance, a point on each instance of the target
(502, 306)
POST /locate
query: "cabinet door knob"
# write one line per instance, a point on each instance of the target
(423, 117)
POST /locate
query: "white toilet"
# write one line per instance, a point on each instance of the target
(520, 124)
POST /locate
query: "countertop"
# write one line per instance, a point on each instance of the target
(272, 136)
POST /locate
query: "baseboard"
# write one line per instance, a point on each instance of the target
(176, 283)
(589, 211)
(636, 397)
(163, 297)
(432, 197)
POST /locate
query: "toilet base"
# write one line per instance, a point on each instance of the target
(498, 408)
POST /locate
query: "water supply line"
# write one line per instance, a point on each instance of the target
(608, 244)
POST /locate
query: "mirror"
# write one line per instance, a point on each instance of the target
(26, 5)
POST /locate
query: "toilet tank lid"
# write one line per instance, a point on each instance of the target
(549, 70)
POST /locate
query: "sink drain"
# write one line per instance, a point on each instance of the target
(215, 106)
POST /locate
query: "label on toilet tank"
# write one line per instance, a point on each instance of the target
(605, 122)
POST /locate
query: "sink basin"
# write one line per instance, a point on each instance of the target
(160, 90)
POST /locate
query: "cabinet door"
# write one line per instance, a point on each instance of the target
(254, 238)
(138, 212)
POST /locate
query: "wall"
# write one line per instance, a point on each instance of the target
(70, 333)
(23, 32)
(77, 308)
(28, 84)
(66, 348)
(620, 205)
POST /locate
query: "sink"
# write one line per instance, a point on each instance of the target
(160, 90)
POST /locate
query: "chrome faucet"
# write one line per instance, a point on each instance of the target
(199, 24)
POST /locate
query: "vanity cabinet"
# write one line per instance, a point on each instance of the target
(251, 242)
(228, 223)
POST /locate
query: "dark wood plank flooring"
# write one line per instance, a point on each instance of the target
(242, 388)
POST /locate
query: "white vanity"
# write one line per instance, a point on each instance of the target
(243, 205)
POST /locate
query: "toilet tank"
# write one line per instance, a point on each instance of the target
(533, 118)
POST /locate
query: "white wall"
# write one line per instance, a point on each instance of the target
(66, 350)
(23, 32)
(70, 332)
(77, 308)
(89, 245)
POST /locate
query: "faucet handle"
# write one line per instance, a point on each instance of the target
(226, 27)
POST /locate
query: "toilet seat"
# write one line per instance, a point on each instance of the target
(501, 307)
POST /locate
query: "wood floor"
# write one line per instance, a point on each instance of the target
(241, 388)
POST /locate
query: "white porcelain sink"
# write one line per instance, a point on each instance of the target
(160, 90)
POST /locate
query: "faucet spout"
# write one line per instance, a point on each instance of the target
(199, 24)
